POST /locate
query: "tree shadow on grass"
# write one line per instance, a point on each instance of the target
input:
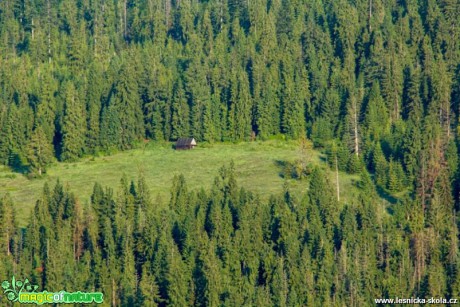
(387, 196)
(281, 167)
(18, 165)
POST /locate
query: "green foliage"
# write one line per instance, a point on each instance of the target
(126, 102)
(39, 151)
(379, 165)
(110, 128)
(372, 83)
(180, 125)
(376, 116)
(396, 177)
(104, 76)
(226, 245)
(321, 132)
(73, 130)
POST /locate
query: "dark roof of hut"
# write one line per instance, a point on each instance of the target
(185, 142)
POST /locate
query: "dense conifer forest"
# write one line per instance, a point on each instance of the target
(375, 85)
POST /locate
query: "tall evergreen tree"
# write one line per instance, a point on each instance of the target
(73, 130)
(126, 101)
(39, 151)
(180, 120)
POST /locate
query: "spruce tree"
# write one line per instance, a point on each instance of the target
(149, 292)
(110, 128)
(240, 108)
(73, 130)
(293, 102)
(93, 106)
(126, 102)
(379, 164)
(180, 120)
(39, 151)
(46, 108)
(376, 118)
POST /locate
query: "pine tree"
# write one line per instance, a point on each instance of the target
(210, 117)
(46, 109)
(39, 151)
(240, 107)
(19, 123)
(324, 199)
(199, 93)
(93, 106)
(110, 128)
(321, 132)
(267, 123)
(73, 129)
(176, 276)
(211, 270)
(392, 82)
(395, 176)
(180, 120)
(376, 116)
(279, 284)
(379, 164)
(126, 101)
(129, 276)
(149, 292)
(412, 143)
(293, 120)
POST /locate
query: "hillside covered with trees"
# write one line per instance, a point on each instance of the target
(381, 79)
(226, 247)
(375, 85)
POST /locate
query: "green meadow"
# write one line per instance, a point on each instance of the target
(258, 165)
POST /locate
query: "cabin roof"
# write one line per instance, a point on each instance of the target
(186, 142)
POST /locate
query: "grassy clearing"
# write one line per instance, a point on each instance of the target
(257, 166)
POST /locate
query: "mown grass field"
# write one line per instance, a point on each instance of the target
(258, 168)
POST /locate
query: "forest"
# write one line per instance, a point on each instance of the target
(375, 86)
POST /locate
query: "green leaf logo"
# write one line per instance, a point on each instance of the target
(5, 284)
(13, 289)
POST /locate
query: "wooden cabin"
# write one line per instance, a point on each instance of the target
(185, 143)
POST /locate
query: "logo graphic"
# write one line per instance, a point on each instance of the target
(24, 292)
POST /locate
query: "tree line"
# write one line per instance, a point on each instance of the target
(226, 246)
